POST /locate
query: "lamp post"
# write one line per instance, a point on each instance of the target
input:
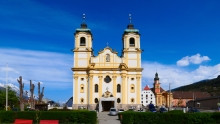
(169, 97)
(6, 100)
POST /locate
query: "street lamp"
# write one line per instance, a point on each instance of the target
(169, 97)
(6, 100)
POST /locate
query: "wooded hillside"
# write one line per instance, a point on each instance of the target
(211, 86)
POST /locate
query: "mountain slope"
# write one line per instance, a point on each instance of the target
(211, 86)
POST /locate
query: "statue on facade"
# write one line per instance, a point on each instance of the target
(107, 58)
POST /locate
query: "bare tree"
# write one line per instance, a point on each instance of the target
(21, 87)
(32, 94)
(40, 94)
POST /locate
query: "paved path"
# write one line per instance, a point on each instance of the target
(104, 118)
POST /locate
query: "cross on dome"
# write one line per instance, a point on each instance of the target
(130, 18)
(84, 17)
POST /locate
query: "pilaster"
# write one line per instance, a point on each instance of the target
(91, 87)
(100, 86)
(138, 91)
(76, 89)
(124, 90)
(114, 86)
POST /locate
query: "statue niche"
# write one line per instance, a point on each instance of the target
(107, 58)
(107, 94)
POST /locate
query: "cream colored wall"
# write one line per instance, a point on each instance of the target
(132, 95)
(100, 60)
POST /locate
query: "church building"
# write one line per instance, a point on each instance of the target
(107, 80)
(162, 97)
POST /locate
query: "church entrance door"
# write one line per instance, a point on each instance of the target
(107, 105)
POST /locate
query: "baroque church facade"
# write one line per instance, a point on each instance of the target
(162, 97)
(107, 80)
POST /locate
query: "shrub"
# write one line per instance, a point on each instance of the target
(79, 116)
(169, 118)
(176, 111)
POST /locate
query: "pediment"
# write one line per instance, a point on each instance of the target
(107, 49)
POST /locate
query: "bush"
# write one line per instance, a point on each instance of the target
(77, 116)
(169, 118)
(176, 111)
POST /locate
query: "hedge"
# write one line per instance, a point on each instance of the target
(70, 117)
(169, 118)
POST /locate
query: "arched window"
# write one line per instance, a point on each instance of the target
(132, 88)
(132, 100)
(118, 100)
(81, 88)
(96, 100)
(82, 41)
(132, 42)
(96, 88)
(146, 95)
(118, 88)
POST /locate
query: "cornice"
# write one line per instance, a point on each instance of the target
(76, 49)
(107, 69)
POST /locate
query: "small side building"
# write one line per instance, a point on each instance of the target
(180, 98)
(69, 103)
(147, 96)
(205, 103)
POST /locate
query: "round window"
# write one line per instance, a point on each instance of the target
(107, 79)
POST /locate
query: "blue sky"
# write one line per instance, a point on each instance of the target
(180, 39)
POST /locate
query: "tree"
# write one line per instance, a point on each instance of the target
(13, 100)
(21, 87)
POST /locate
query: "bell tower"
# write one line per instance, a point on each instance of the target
(82, 54)
(131, 46)
(156, 84)
(83, 45)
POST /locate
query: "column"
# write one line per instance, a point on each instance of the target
(114, 86)
(138, 91)
(76, 90)
(91, 91)
(100, 86)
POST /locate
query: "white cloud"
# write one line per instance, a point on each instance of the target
(4, 69)
(175, 75)
(194, 59)
(183, 62)
(53, 69)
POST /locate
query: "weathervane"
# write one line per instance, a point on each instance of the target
(130, 18)
(84, 17)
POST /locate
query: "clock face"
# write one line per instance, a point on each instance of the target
(107, 79)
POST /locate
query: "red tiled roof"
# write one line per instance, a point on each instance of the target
(189, 94)
(146, 88)
(161, 89)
